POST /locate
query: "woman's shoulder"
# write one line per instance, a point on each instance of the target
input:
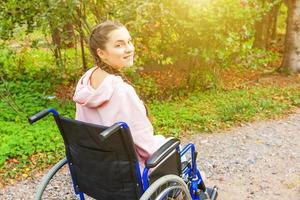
(125, 94)
(121, 89)
(121, 86)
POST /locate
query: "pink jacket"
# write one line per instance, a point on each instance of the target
(114, 101)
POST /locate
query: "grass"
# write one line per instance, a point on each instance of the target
(26, 149)
(213, 110)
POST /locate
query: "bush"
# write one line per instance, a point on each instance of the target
(19, 100)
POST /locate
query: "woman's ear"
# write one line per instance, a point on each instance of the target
(100, 53)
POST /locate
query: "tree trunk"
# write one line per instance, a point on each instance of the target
(84, 66)
(291, 58)
(56, 41)
(273, 19)
(266, 27)
(69, 35)
(80, 26)
(259, 30)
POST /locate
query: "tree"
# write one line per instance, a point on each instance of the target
(291, 57)
(266, 26)
(53, 17)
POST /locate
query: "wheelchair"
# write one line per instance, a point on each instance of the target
(103, 165)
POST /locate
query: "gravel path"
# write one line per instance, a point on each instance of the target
(258, 161)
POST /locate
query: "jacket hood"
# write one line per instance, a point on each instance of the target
(90, 97)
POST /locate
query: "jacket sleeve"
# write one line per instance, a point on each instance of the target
(131, 110)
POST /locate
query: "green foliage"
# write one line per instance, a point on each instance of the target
(201, 79)
(281, 22)
(199, 111)
(17, 136)
(200, 36)
(7, 61)
(34, 14)
(147, 88)
(20, 140)
(256, 58)
(217, 109)
(38, 64)
(17, 13)
(186, 31)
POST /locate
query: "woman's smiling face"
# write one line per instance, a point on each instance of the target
(119, 50)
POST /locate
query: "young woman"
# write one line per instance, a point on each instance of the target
(104, 96)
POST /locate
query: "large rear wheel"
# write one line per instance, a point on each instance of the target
(56, 184)
(169, 187)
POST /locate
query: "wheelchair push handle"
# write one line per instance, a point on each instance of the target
(41, 115)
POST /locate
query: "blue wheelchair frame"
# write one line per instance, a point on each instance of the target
(191, 171)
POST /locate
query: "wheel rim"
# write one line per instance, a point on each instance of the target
(169, 187)
(173, 192)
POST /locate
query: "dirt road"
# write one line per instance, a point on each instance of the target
(258, 161)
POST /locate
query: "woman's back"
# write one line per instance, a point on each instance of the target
(113, 101)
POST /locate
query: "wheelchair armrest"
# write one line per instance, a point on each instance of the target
(162, 153)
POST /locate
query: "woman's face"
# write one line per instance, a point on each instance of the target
(119, 50)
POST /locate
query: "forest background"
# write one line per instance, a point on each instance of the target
(201, 65)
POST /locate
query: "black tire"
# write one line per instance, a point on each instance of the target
(168, 187)
(56, 184)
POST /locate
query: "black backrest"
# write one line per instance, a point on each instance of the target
(103, 167)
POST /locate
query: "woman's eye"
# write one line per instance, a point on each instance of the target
(118, 45)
